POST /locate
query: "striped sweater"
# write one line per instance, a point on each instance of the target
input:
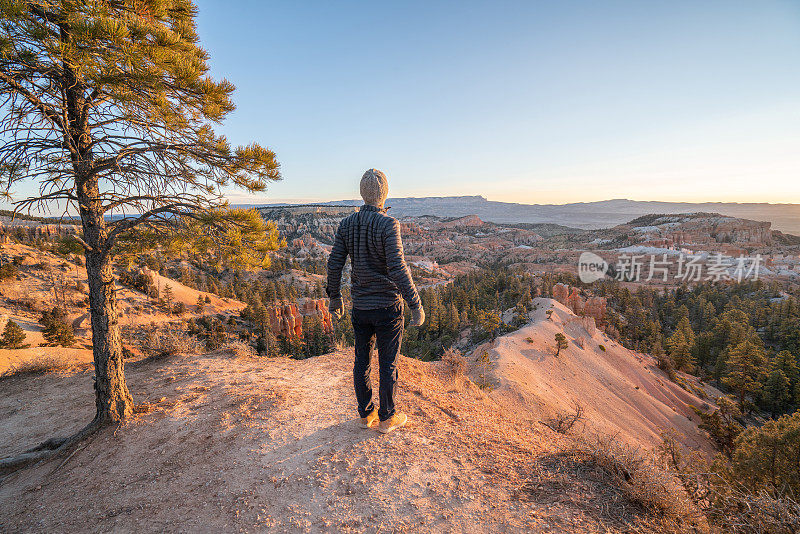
(380, 277)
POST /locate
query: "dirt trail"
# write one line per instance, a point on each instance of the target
(274, 445)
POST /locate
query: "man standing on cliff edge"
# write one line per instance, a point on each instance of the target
(380, 281)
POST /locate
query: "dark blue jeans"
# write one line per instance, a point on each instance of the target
(384, 325)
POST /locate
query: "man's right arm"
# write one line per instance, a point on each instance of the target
(335, 265)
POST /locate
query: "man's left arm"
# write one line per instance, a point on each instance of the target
(336, 263)
(396, 265)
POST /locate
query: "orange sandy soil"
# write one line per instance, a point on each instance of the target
(225, 444)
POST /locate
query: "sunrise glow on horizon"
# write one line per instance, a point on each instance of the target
(518, 101)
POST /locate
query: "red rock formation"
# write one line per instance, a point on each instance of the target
(410, 228)
(561, 293)
(287, 320)
(319, 308)
(596, 307)
(293, 320)
(575, 302)
(570, 296)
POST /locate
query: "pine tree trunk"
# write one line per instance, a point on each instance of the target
(113, 400)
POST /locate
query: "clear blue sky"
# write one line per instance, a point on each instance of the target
(518, 101)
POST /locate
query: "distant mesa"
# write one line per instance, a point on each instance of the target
(469, 220)
(583, 215)
(663, 230)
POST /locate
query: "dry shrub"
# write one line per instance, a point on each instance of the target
(741, 512)
(565, 420)
(729, 505)
(733, 508)
(622, 487)
(455, 364)
(37, 365)
(143, 408)
(158, 343)
(637, 475)
(240, 350)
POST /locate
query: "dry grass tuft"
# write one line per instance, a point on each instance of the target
(240, 350)
(158, 343)
(143, 408)
(37, 365)
(455, 364)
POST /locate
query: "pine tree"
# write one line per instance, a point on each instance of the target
(484, 361)
(169, 296)
(108, 106)
(280, 291)
(766, 457)
(267, 344)
(319, 291)
(722, 424)
(786, 362)
(561, 343)
(663, 361)
(777, 392)
(526, 299)
(680, 350)
(746, 369)
(201, 304)
(260, 318)
(212, 287)
(453, 319)
(56, 329)
(489, 321)
(269, 291)
(13, 336)
(685, 327)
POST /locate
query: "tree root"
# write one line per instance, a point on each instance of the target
(47, 449)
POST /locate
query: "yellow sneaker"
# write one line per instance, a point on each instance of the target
(370, 419)
(396, 421)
